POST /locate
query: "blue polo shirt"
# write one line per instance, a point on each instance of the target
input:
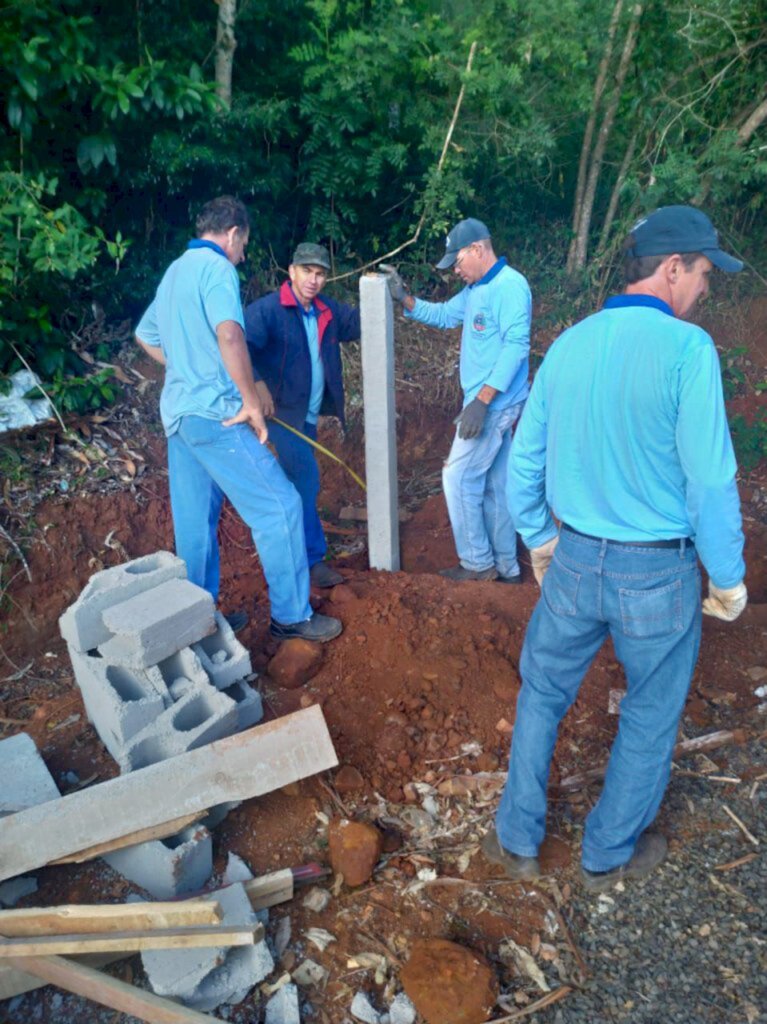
(311, 327)
(199, 291)
(495, 343)
(625, 436)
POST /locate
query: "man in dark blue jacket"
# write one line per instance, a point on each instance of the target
(294, 336)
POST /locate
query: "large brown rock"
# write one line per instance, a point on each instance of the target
(448, 983)
(295, 663)
(354, 849)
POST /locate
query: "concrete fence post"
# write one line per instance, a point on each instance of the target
(380, 422)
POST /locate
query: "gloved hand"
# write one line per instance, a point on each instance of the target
(472, 419)
(397, 286)
(725, 604)
(540, 558)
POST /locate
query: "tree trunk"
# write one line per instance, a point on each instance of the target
(753, 121)
(225, 47)
(588, 135)
(582, 237)
(615, 197)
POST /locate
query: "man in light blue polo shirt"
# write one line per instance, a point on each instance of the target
(214, 422)
(494, 308)
(625, 438)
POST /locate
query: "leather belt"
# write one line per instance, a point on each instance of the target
(679, 542)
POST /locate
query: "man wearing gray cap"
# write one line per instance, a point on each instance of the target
(625, 438)
(494, 308)
(294, 335)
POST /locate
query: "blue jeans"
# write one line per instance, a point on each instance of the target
(300, 467)
(207, 461)
(474, 482)
(648, 600)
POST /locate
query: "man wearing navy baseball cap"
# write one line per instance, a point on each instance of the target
(494, 308)
(625, 438)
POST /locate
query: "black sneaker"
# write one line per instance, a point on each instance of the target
(237, 621)
(650, 851)
(510, 579)
(458, 574)
(322, 575)
(319, 628)
(521, 869)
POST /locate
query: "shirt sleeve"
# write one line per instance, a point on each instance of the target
(526, 478)
(440, 314)
(708, 462)
(221, 296)
(148, 330)
(513, 312)
(348, 322)
(256, 333)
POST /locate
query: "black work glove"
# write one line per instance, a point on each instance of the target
(472, 419)
(397, 286)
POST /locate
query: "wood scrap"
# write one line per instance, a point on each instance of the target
(94, 919)
(108, 991)
(144, 835)
(749, 835)
(268, 890)
(739, 862)
(133, 942)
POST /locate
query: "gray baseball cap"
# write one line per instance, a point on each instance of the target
(309, 254)
(464, 233)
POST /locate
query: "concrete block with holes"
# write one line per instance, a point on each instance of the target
(222, 655)
(169, 867)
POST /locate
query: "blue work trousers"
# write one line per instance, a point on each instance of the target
(474, 482)
(648, 600)
(300, 467)
(207, 461)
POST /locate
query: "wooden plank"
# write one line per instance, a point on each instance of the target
(144, 835)
(14, 982)
(271, 889)
(121, 917)
(248, 764)
(102, 988)
(133, 942)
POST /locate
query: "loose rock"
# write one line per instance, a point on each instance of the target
(295, 663)
(348, 780)
(448, 983)
(354, 850)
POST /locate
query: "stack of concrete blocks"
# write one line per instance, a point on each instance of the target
(160, 673)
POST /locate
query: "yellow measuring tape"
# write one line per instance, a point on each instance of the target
(320, 448)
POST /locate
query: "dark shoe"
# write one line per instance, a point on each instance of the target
(458, 574)
(510, 579)
(521, 869)
(319, 628)
(650, 851)
(237, 621)
(322, 575)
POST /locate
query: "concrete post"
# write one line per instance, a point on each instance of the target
(380, 422)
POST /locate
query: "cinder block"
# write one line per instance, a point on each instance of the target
(222, 655)
(250, 708)
(166, 868)
(154, 625)
(82, 625)
(199, 717)
(282, 1008)
(182, 672)
(205, 978)
(119, 701)
(26, 780)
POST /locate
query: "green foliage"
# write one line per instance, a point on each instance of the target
(83, 394)
(733, 375)
(749, 440)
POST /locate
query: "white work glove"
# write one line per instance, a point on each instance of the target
(540, 558)
(725, 604)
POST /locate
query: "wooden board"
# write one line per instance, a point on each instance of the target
(133, 942)
(120, 917)
(102, 988)
(144, 835)
(248, 764)
(271, 889)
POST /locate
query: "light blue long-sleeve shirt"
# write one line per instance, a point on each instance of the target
(318, 371)
(625, 436)
(495, 343)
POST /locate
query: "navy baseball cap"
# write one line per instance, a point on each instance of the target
(464, 233)
(679, 229)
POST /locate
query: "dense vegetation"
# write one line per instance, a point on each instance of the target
(328, 119)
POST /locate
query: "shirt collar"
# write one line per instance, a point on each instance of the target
(496, 268)
(648, 301)
(311, 311)
(205, 243)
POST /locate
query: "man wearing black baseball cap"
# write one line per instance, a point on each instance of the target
(625, 438)
(494, 308)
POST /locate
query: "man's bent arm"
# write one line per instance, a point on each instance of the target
(153, 351)
(236, 359)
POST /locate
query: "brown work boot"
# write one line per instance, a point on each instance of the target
(521, 869)
(650, 851)
(458, 574)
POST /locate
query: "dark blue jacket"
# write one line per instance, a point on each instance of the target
(274, 328)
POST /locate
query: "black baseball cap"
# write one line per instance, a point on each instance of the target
(464, 233)
(681, 229)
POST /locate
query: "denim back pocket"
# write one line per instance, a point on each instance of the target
(560, 587)
(652, 613)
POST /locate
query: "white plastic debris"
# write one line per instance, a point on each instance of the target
(310, 973)
(17, 411)
(319, 937)
(510, 950)
(362, 1009)
(316, 899)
